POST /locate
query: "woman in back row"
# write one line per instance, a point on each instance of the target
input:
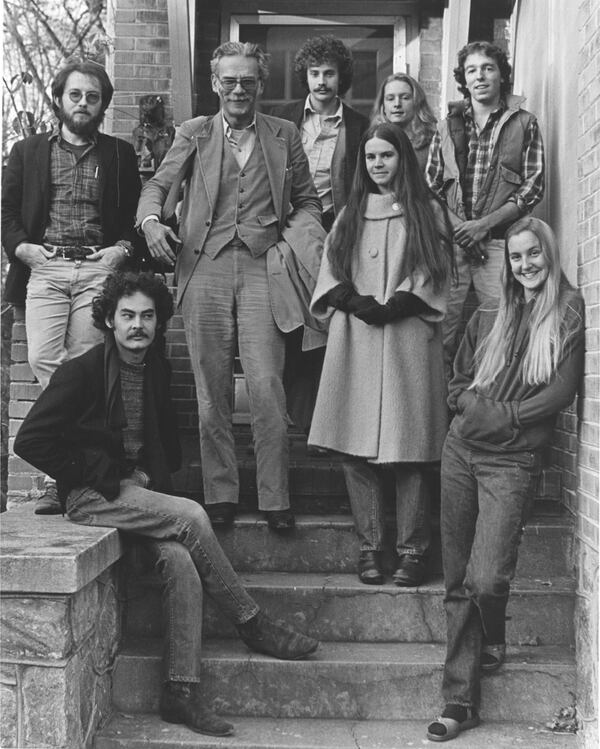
(402, 102)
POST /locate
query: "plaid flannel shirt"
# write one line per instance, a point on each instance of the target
(74, 205)
(531, 190)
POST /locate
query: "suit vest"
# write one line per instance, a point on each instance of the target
(244, 205)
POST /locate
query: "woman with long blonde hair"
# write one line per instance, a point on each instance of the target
(402, 102)
(519, 364)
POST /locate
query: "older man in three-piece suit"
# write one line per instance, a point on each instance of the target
(246, 259)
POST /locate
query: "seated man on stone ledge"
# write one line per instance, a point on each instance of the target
(104, 428)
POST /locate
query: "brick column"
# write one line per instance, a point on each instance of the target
(586, 504)
(24, 481)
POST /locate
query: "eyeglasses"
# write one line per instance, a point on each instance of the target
(91, 97)
(228, 84)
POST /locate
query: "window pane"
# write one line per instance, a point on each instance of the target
(371, 46)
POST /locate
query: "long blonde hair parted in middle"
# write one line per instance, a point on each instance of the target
(546, 334)
(423, 124)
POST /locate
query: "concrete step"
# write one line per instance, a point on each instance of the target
(328, 543)
(352, 681)
(144, 730)
(339, 607)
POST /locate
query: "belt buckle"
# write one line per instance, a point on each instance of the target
(79, 253)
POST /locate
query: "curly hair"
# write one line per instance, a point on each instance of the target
(244, 49)
(127, 283)
(320, 50)
(423, 123)
(85, 67)
(489, 50)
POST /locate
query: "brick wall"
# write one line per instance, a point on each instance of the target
(24, 482)
(141, 63)
(584, 499)
(430, 73)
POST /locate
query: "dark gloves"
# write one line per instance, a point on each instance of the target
(345, 298)
(402, 304)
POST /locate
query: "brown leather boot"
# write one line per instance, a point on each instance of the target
(180, 702)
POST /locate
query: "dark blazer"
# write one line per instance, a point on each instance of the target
(26, 199)
(355, 125)
(74, 431)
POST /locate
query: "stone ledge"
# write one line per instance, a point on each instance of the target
(49, 554)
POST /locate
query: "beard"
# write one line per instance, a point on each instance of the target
(85, 127)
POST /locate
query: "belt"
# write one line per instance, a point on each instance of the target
(72, 252)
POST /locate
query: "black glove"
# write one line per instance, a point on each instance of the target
(345, 298)
(402, 304)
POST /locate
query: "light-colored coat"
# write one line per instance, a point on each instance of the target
(382, 394)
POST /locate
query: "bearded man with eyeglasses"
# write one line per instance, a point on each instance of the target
(68, 207)
(246, 259)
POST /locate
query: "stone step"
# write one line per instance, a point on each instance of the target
(339, 607)
(328, 543)
(148, 731)
(349, 681)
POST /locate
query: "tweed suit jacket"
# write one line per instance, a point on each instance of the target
(196, 156)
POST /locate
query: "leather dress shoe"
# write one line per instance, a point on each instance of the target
(411, 571)
(221, 514)
(48, 503)
(280, 521)
(278, 639)
(369, 571)
(180, 702)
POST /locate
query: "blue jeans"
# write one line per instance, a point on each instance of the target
(365, 483)
(190, 559)
(486, 282)
(486, 498)
(227, 299)
(58, 312)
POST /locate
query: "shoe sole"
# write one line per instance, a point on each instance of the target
(407, 583)
(490, 669)
(48, 511)
(298, 657)
(203, 731)
(371, 580)
(470, 723)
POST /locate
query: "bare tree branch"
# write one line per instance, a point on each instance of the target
(44, 20)
(23, 50)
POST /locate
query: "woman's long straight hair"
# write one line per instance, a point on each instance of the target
(427, 249)
(546, 333)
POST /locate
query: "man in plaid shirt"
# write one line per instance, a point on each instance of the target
(68, 206)
(486, 161)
